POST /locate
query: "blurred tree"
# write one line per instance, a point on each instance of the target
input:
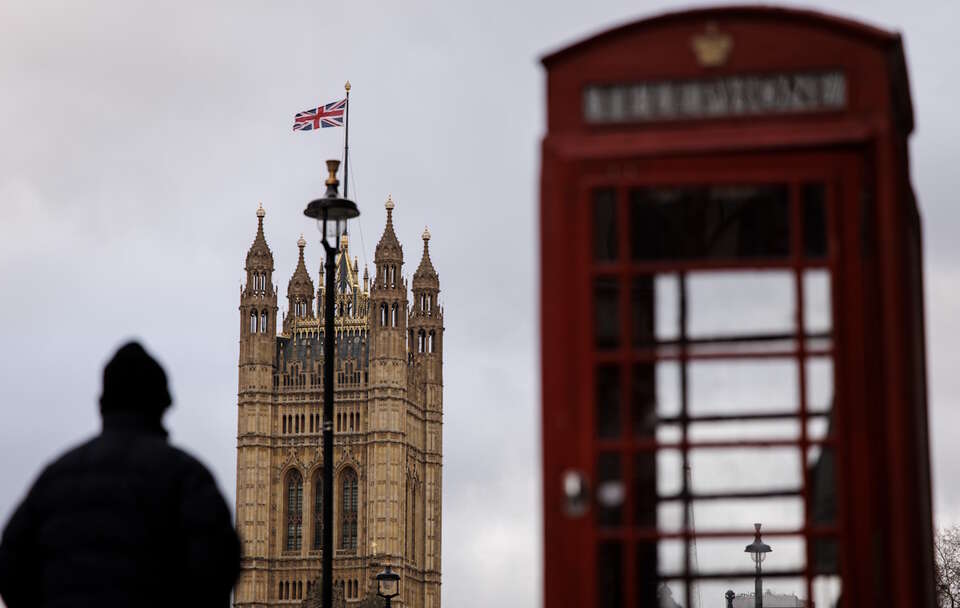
(946, 551)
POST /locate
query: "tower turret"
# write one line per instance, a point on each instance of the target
(258, 300)
(425, 381)
(426, 317)
(388, 294)
(258, 328)
(387, 390)
(299, 292)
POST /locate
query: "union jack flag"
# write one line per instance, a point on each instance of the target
(329, 115)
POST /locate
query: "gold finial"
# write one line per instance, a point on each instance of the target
(347, 86)
(344, 240)
(712, 48)
(389, 203)
(301, 242)
(332, 166)
(426, 234)
(260, 211)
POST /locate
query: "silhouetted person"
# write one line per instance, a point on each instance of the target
(124, 519)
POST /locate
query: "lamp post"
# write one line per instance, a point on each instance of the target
(758, 552)
(388, 585)
(335, 211)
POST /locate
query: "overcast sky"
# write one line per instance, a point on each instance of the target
(136, 141)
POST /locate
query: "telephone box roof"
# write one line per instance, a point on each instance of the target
(883, 42)
(846, 27)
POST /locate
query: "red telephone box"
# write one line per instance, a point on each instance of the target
(732, 316)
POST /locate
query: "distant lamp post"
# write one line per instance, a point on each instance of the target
(388, 585)
(758, 552)
(329, 211)
(730, 595)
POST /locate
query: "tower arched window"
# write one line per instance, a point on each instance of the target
(253, 321)
(412, 523)
(318, 512)
(349, 308)
(348, 510)
(294, 510)
(421, 341)
(263, 322)
(263, 281)
(396, 314)
(433, 338)
(383, 315)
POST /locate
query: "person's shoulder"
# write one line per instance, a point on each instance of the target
(68, 461)
(188, 464)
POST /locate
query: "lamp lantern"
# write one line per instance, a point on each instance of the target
(332, 211)
(758, 552)
(388, 584)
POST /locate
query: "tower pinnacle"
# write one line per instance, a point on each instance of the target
(389, 249)
(426, 274)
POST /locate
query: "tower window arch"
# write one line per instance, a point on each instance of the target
(421, 341)
(253, 321)
(294, 510)
(263, 322)
(396, 314)
(383, 315)
(348, 509)
(433, 338)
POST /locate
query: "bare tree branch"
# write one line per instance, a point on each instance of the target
(946, 549)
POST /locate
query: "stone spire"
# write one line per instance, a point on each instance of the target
(388, 249)
(259, 256)
(426, 276)
(299, 290)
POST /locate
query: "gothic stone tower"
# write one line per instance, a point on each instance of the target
(388, 415)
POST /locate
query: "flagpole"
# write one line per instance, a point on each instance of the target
(346, 141)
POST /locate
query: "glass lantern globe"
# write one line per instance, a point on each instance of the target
(388, 584)
(757, 549)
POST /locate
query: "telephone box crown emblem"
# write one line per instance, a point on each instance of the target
(712, 47)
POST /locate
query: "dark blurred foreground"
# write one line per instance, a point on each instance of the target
(123, 519)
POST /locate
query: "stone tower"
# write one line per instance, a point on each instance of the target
(387, 428)
(426, 376)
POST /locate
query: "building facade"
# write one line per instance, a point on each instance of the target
(388, 439)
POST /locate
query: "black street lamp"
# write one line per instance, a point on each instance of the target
(331, 209)
(758, 552)
(388, 585)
